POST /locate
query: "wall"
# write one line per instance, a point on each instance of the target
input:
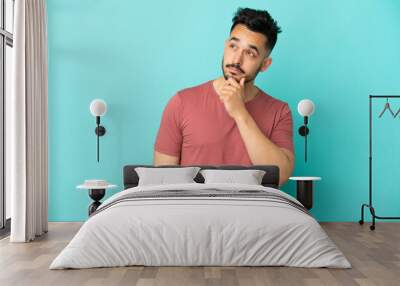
(136, 55)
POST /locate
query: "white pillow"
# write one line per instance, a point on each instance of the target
(249, 177)
(163, 176)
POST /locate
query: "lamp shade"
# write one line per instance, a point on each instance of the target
(305, 107)
(98, 107)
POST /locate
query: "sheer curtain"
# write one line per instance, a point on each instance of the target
(26, 120)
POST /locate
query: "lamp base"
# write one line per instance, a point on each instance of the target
(100, 130)
(303, 130)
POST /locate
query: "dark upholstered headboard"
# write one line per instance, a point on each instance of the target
(270, 179)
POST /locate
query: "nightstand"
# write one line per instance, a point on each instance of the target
(305, 190)
(97, 190)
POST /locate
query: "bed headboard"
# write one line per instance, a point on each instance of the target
(270, 179)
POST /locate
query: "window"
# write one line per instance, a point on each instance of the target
(6, 61)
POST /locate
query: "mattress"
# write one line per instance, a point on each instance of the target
(201, 225)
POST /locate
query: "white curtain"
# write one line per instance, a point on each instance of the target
(26, 120)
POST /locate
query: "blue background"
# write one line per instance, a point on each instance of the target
(136, 54)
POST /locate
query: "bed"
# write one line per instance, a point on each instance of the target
(201, 224)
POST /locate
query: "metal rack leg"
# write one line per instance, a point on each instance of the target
(372, 227)
(372, 211)
(374, 216)
(361, 221)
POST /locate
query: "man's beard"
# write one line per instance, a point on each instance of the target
(247, 80)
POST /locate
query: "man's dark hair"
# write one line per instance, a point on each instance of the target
(259, 21)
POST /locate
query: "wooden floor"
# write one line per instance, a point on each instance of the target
(374, 255)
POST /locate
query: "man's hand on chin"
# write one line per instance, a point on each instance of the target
(232, 96)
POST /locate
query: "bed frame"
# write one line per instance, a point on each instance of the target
(270, 179)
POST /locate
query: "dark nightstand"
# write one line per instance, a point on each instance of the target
(305, 190)
(97, 190)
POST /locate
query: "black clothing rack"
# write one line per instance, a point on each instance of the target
(370, 206)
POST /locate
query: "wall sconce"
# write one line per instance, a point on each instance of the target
(98, 108)
(305, 108)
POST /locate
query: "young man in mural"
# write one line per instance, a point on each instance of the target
(229, 120)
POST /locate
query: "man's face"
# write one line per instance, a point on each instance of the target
(245, 54)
